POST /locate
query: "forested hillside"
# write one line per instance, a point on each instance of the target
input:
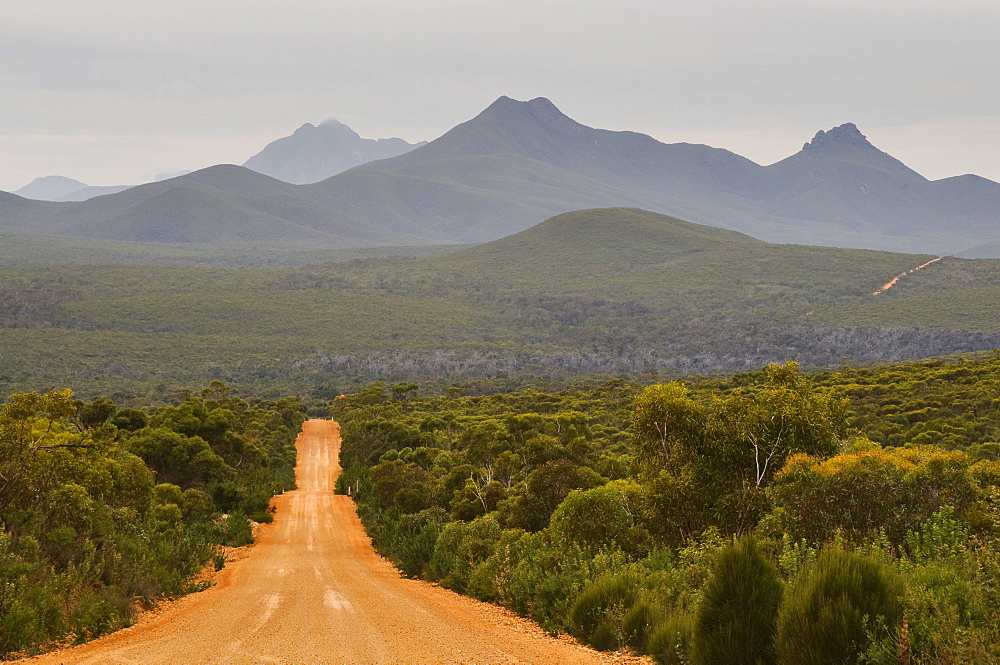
(598, 292)
(850, 516)
(106, 510)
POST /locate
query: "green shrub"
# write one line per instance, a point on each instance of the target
(219, 560)
(542, 581)
(235, 530)
(462, 547)
(95, 615)
(619, 505)
(834, 607)
(639, 623)
(951, 603)
(413, 538)
(488, 580)
(603, 603)
(262, 517)
(735, 619)
(604, 638)
(670, 641)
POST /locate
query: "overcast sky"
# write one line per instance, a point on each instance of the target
(114, 92)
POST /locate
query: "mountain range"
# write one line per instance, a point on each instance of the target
(518, 163)
(312, 153)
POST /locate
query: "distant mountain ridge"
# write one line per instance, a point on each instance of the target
(518, 163)
(61, 188)
(49, 188)
(92, 191)
(222, 204)
(314, 153)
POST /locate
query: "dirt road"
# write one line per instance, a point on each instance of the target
(313, 591)
(895, 280)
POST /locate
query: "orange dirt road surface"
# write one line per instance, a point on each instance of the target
(313, 591)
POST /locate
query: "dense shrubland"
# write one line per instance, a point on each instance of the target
(105, 509)
(771, 517)
(490, 318)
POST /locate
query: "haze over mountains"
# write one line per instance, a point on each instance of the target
(49, 188)
(61, 188)
(315, 153)
(518, 163)
(309, 155)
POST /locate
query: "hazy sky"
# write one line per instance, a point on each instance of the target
(113, 92)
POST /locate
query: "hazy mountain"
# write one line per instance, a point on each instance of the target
(874, 200)
(49, 188)
(170, 174)
(218, 205)
(316, 153)
(518, 163)
(61, 188)
(90, 192)
(990, 250)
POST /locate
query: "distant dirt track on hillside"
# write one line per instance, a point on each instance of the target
(892, 282)
(313, 591)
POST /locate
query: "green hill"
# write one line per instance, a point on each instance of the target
(616, 239)
(664, 262)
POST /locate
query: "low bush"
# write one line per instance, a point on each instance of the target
(833, 609)
(602, 606)
(639, 623)
(235, 530)
(670, 641)
(735, 620)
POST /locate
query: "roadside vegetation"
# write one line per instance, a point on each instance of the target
(769, 517)
(104, 511)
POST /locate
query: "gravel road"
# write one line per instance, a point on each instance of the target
(313, 591)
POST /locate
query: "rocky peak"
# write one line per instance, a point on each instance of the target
(846, 134)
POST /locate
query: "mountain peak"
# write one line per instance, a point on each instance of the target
(316, 152)
(504, 102)
(846, 134)
(547, 114)
(330, 127)
(541, 109)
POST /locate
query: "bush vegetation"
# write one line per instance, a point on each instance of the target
(835, 609)
(647, 300)
(735, 624)
(706, 520)
(101, 508)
